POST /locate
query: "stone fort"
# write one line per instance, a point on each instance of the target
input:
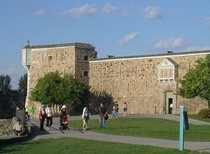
(148, 83)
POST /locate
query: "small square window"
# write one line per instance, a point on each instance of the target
(86, 57)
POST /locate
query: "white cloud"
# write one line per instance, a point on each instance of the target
(207, 20)
(128, 38)
(153, 12)
(40, 12)
(124, 14)
(171, 43)
(108, 8)
(197, 48)
(78, 12)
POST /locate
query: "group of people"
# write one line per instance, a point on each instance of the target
(116, 110)
(45, 112)
(103, 114)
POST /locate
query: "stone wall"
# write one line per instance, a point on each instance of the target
(135, 81)
(82, 63)
(48, 60)
(51, 60)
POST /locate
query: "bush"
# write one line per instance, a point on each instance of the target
(204, 113)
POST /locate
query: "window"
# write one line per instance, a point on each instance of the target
(50, 58)
(167, 70)
(86, 57)
(86, 73)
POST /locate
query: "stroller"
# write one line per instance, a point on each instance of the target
(63, 122)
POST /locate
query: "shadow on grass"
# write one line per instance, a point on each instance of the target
(114, 128)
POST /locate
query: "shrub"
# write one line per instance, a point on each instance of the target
(204, 113)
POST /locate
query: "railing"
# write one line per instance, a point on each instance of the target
(6, 127)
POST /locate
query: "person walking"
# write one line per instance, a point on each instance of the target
(102, 114)
(117, 109)
(42, 116)
(49, 114)
(85, 117)
(125, 109)
(63, 110)
(114, 112)
(63, 118)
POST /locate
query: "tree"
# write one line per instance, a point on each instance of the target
(196, 81)
(98, 97)
(46, 89)
(73, 92)
(22, 85)
(6, 97)
(54, 89)
(5, 83)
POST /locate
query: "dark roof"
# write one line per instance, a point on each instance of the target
(77, 45)
(154, 55)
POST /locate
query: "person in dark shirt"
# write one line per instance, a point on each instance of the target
(42, 115)
(102, 114)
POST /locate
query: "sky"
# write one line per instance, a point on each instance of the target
(114, 27)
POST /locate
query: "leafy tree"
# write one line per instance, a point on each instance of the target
(73, 92)
(196, 81)
(47, 88)
(22, 85)
(6, 97)
(54, 89)
(5, 83)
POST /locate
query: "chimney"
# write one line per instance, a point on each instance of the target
(167, 52)
(109, 56)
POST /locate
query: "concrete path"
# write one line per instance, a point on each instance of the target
(56, 133)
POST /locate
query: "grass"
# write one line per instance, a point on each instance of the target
(148, 127)
(81, 146)
(197, 117)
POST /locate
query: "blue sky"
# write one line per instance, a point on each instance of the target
(117, 27)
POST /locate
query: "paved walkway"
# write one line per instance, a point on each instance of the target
(56, 133)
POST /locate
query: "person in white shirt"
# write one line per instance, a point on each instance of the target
(49, 114)
(85, 118)
(171, 108)
(18, 128)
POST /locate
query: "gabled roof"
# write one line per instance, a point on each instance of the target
(167, 62)
(173, 62)
(76, 45)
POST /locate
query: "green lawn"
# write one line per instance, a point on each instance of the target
(80, 146)
(195, 116)
(147, 127)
